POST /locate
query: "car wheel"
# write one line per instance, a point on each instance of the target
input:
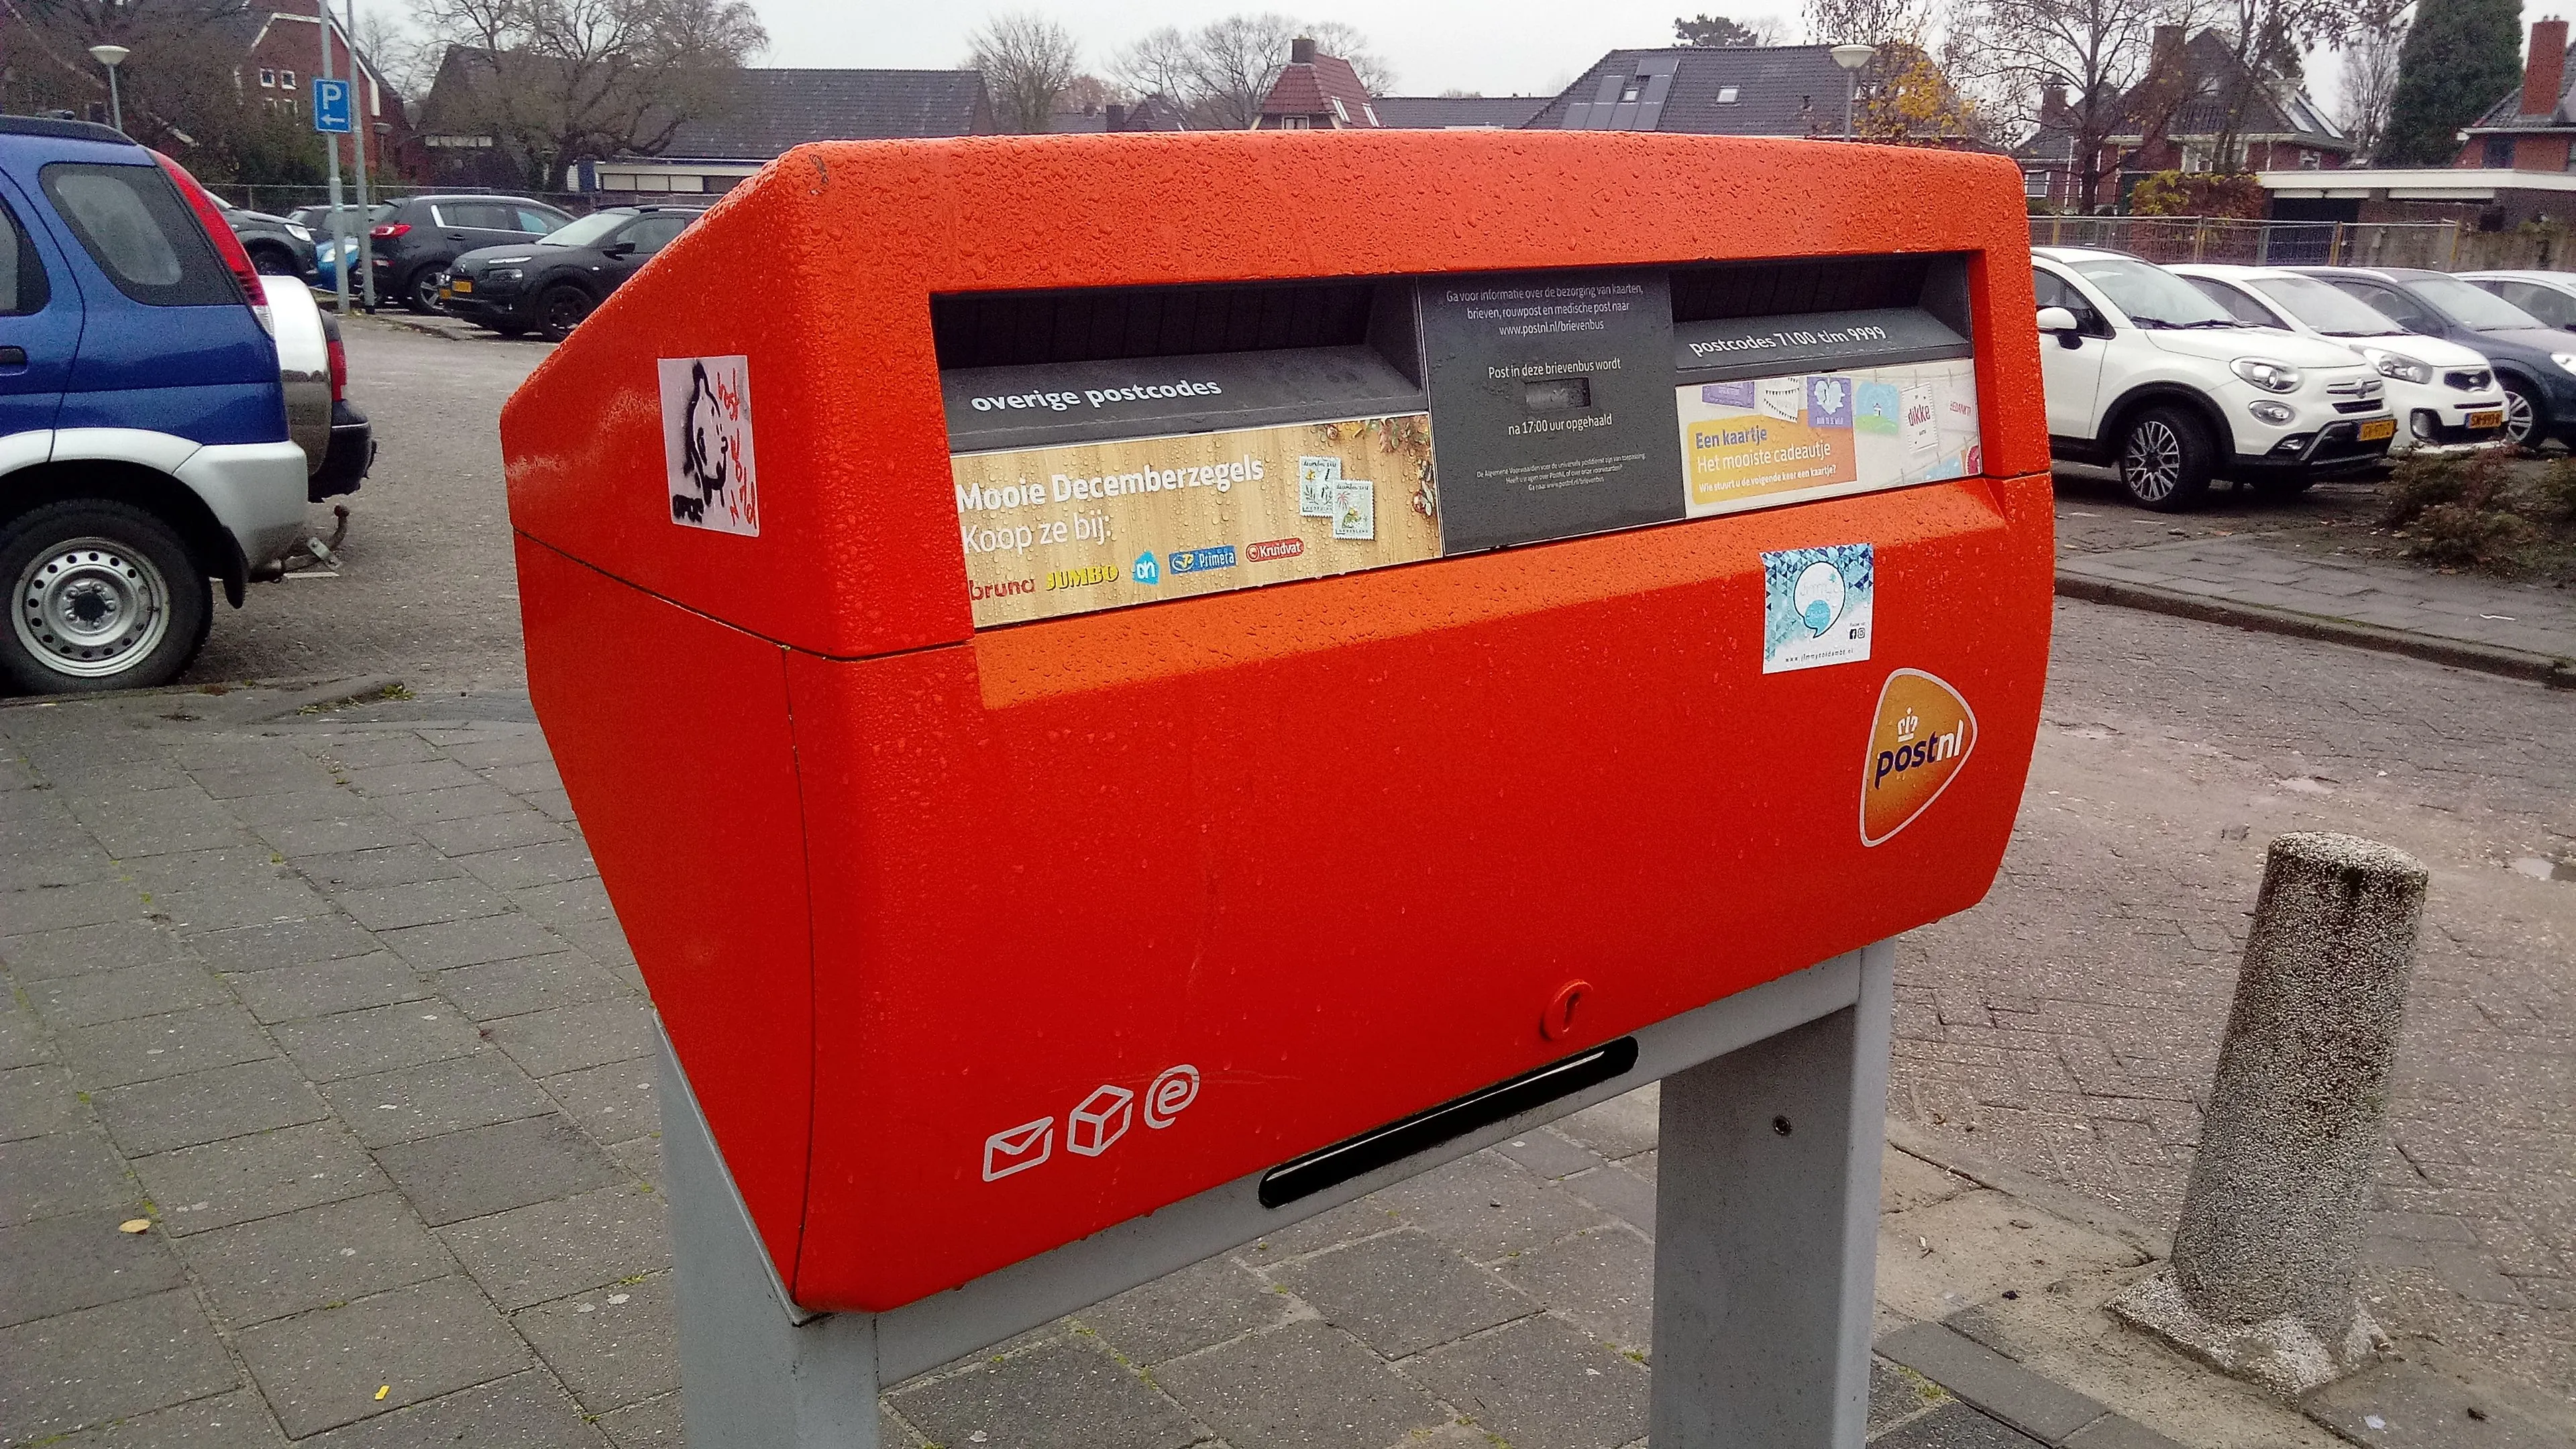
(420, 294)
(105, 597)
(2166, 459)
(560, 310)
(274, 262)
(2522, 416)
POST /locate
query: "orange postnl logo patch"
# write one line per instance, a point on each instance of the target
(1923, 735)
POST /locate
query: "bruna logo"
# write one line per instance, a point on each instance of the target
(1923, 735)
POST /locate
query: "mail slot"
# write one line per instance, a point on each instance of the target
(1188, 660)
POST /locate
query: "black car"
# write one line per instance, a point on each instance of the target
(420, 235)
(549, 287)
(277, 246)
(2534, 361)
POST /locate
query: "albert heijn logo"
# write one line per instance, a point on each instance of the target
(1923, 735)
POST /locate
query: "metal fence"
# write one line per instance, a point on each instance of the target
(2447, 246)
(279, 200)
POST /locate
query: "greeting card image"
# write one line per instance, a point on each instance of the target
(1355, 509)
(1829, 402)
(1315, 480)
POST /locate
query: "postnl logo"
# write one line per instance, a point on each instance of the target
(1923, 735)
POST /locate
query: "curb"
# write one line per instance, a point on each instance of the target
(1915, 1140)
(2486, 658)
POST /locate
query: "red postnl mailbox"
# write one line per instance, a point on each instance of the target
(1107, 667)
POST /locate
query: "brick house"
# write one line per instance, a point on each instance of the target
(2184, 100)
(1316, 92)
(2531, 129)
(281, 43)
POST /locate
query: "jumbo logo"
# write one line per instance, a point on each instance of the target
(1923, 735)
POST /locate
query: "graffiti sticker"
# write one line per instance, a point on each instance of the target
(706, 443)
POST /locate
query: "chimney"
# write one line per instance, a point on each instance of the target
(2168, 42)
(2544, 77)
(2053, 104)
(1301, 51)
(1117, 116)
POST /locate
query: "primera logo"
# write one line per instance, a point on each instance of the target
(1923, 735)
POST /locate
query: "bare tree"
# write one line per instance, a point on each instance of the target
(560, 81)
(2069, 64)
(1869, 22)
(1335, 37)
(1221, 72)
(2370, 74)
(1027, 61)
(2266, 39)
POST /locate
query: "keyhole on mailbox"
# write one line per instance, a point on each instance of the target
(1558, 1023)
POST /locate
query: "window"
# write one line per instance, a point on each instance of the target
(2034, 184)
(22, 272)
(2500, 152)
(1726, 95)
(1634, 87)
(268, 75)
(2055, 291)
(1340, 111)
(1371, 112)
(132, 222)
(1292, 123)
(2399, 308)
(2239, 306)
(2546, 303)
(537, 220)
(286, 80)
(652, 233)
(2310, 160)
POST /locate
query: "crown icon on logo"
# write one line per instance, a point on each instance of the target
(1906, 726)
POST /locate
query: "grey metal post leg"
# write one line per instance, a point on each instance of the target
(1762, 1309)
(756, 1372)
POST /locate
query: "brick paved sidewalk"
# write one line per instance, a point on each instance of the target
(2292, 581)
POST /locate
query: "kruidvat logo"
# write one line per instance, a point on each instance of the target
(1922, 736)
(1277, 548)
(1146, 570)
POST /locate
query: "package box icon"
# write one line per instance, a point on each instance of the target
(1100, 1121)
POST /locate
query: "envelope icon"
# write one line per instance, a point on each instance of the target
(1017, 1149)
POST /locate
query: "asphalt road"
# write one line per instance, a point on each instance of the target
(426, 589)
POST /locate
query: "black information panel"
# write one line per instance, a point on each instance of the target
(1553, 393)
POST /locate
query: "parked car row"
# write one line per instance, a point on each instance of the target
(2277, 377)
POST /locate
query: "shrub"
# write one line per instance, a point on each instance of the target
(2463, 535)
(2418, 483)
(2554, 495)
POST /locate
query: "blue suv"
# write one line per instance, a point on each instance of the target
(144, 439)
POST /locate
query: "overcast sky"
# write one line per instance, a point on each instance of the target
(1499, 47)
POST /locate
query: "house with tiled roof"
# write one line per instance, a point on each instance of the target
(2533, 127)
(1316, 92)
(1153, 113)
(2178, 115)
(1769, 90)
(1458, 113)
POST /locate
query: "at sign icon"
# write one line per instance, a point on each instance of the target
(1175, 1089)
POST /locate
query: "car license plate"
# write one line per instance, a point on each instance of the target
(462, 286)
(2378, 428)
(2491, 418)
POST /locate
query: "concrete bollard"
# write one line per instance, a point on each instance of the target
(2268, 1254)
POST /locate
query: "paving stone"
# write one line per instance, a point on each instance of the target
(322, 936)
(328, 988)
(201, 1188)
(79, 1260)
(419, 903)
(1350, 1221)
(347, 828)
(378, 1038)
(642, 1156)
(322, 803)
(603, 941)
(1622, 1126)
(1990, 1382)
(1602, 1278)
(612, 1346)
(1202, 1304)
(491, 1169)
(613, 1103)
(461, 803)
(569, 1038)
(564, 902)
(523, 1411)
(104, 947)
(355, 750)
(1547, 1154)
(1539, 1384)
(22, 1039)
(655, 1424)
(410, 777)
(529, 983)
(1621, 1193)
(535, 778)
(531, 865)
(436, 1098)
(207, 1106)
(238, 1420)
(279, 774)
(500, 830)
(1954, 1426)
(47, 909)
(1401, 1292)
(404, 861)
(43, 1177)
(1897, 1394)
(113, 1361)
(95, 997)
(2114, 1432)
(568, 1245)
(36, 1100)
(1306, 1386)
(1066, 1395)
(317, 1256)
(1489, 1205)
(324, 1368)
(472, 942)
(168, 1045)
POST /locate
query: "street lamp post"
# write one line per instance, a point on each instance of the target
(112, 56)
(1851, 58)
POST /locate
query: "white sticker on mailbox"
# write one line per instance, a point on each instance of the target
(706, 443)
(1817, 606)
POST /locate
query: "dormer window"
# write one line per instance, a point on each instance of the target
(1635, 87)
(1340, 112)
(1726, 95)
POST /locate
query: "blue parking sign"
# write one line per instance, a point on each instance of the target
(331, 105)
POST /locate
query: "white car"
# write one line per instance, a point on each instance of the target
(2446, 396)
(2549, 296)
(2146, 375)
